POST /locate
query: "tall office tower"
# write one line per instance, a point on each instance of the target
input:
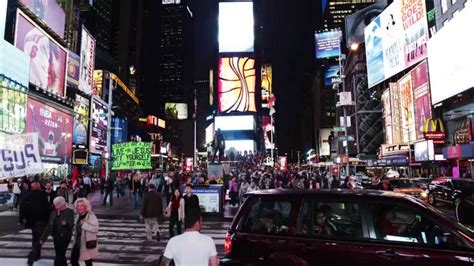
(334, 11)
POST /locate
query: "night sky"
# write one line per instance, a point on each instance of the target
(288, 44)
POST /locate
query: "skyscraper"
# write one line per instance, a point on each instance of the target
(334, 11)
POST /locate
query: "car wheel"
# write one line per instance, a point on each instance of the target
(431, 199)
(457, 201)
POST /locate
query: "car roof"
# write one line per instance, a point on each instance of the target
(442, 179)
(332, 193)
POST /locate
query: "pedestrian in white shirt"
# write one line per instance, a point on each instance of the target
(191, 247)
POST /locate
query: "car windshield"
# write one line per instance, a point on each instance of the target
(403, 183)
(464, 185)
(467, 230)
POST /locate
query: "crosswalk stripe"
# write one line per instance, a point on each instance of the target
(119, 240)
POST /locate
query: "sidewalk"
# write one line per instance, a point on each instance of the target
(45, 262)
(122, 207)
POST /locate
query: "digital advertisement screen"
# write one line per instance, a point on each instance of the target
(236, 84)
(396, 39)
(236, 27)
(177, 111)
(50, 12)
(54, 129)
(48, 58)
(267, 81)
(73, 67)
(330, 73)
(210, 133)
(12, 109)
(98, 81)
(238, 122)
(86, 72)
(450, 57)
(17, 69)
(424, 151)
(81, 120)
(3, 18)
(421, 94)
(328, 44)
(119, 130)
(407, 109)
(98, 141)
(387, 115)
(267, 129)
(240, 145)
(209, 198)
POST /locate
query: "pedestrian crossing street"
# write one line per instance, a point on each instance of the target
(120, 241)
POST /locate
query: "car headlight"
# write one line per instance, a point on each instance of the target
(424, 194)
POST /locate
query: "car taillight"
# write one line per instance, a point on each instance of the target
(227, 243)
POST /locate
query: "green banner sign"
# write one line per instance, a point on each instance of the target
(131, 155)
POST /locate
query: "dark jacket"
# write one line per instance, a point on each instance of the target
(59, 226)
(151, 205)
(191, 203)
(109, 184)
(35, 207)
(51, 196)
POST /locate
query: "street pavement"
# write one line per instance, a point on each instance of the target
(122, 237)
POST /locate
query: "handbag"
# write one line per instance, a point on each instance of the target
(91, 244)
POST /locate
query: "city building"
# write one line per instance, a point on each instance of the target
(335, 11)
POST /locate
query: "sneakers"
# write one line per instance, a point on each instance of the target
(158, 236)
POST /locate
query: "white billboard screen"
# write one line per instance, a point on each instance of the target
(236, 27)
(240, 145)
(3, 18)
(241, 122)
(450, 57)
(86, 71)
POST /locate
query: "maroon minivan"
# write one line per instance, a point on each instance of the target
(343, 227)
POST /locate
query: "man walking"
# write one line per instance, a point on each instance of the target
(17, 192)
(151, 211)
(108, 189)
(192, 247)
(61, 223)
(36, 211)
(191, 201)
(87, 184)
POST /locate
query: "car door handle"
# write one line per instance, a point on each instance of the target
(387, 254)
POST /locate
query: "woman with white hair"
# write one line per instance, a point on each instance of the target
(85, 246)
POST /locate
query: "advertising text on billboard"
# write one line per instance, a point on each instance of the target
(54, 129)
(98, 136)
(396, 112)
(20, 155)
(131, 155)
(328, 44)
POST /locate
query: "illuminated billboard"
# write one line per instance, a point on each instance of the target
(210, 133)
(73, 68)
(331, 73)
(237, 122)
(177, 111)
(421, 95)
(50, 12)
(236, 84)
(3, 18)
(54, 129)
(98, 136)
(328, 43)
(81, 120)
(240, 145)
(450, 59)
(407, 109)
(86, 73)
(236, 27)
(48, 58)
(396, 39)
(268, 130)
(267, 81)
(98, 81)
(12, 109)
(18, 69)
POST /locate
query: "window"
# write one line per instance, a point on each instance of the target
(319, 218)
(444, 6)
(396, 223)
(268, 216)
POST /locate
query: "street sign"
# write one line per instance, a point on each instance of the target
(339, 129)
(344, 138)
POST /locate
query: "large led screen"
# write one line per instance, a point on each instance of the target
(328, 44)
(330, 73)
(73, 68)
(241, 122)
(14, 64)
(424, 151)
(236, 27)
(236, 84)
(86, 72)
(407, 109)
(81, 120)
(54, 129)
(177, 111)
(12, 109)
(396, 39)
(450, 59)
(267, 81)
(240, 145)
(98, 136)
(421, 94)
(3, 17)
(268, 129)
(50, 12)
(48, 58)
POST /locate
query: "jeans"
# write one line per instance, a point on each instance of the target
(151, 225)
(60, 247)
(107, 194)
(75, 254)
(174, 219)
(136, 199)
